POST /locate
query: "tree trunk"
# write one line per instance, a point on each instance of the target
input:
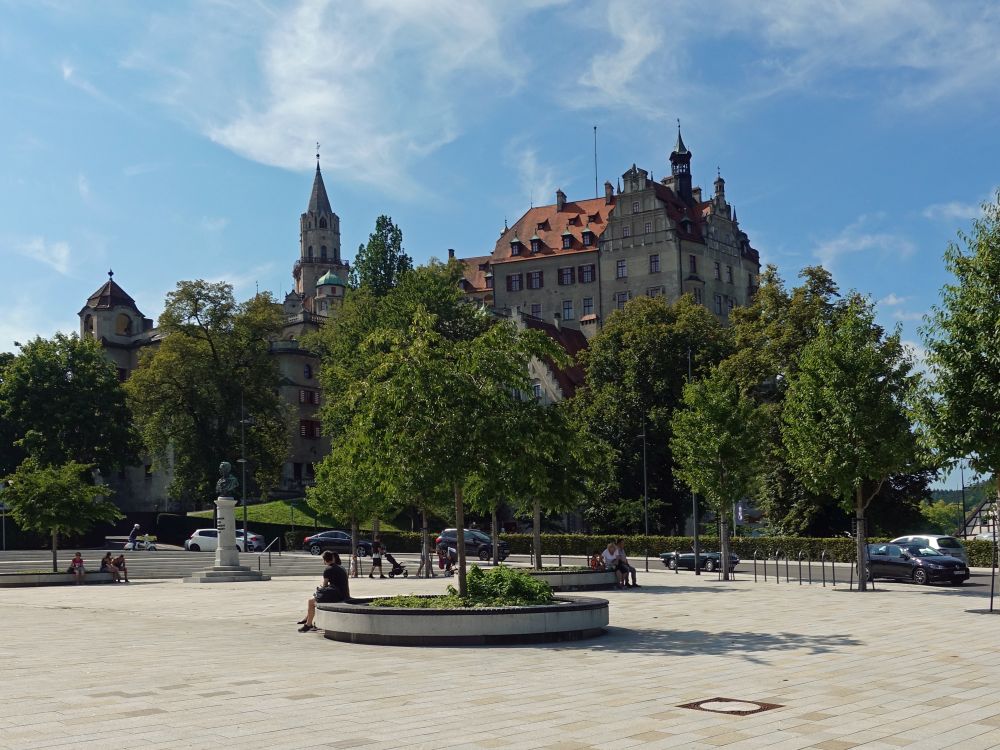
(860, 539)
(425, 544)
(495, 533)
(536, 542)
(55, 550)
(354, 572)
(724, 546)
(460, 539)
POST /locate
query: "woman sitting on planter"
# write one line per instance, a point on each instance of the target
(335, 588)
(77, 569)
(611, 562)
(108, 566)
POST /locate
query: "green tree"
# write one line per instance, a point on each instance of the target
(963, 350)
(61, 401)
(382, 263)
(940, 517)
(191, 392)
(11, 454)
(845, 423)
(635, 370)
(715, 446)
(57, 500)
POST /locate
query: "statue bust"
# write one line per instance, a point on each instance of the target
(227, 483)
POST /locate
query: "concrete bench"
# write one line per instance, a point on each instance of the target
(8, 580)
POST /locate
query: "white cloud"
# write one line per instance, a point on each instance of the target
(70, 76)
(907, 315)
(379, 83)
(246, 281)
(214, 223)
(953, 211)
(892, 300)
(56, 255)
(83, 186)
(134, 170)
(538, 181)
(857, 238)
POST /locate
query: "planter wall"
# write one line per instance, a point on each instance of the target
(576, 580)
(568, 618)
(9, 580)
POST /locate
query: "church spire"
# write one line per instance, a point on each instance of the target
(318, 200)
(680, 167)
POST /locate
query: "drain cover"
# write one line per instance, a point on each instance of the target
(731, 706)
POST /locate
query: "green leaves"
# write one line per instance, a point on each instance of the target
(60, 498)
(381, 264)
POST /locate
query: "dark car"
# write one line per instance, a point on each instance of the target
(476, 543)
(337, 541)
(709, 561)
(914, 562)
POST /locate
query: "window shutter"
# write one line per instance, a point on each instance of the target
(541, 279)
(509, 289)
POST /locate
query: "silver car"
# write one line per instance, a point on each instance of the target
(946, 545)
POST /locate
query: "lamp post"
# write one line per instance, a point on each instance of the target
(965, 525)
(242, 461)
(694, 502)
(3, 514)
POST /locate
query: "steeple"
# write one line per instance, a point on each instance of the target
(680, 167)
(319, 238)
(319, 202)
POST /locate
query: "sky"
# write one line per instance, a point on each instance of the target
(171, 141)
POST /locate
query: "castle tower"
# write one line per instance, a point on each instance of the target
(112, 317)
(319, 240)
(680, 168)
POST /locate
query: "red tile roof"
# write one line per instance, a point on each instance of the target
(548, 224)
(475, 272)
(573, 342)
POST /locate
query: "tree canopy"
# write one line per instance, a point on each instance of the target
(381, 264)
(187, 392)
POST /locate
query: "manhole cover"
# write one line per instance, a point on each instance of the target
(731, 706)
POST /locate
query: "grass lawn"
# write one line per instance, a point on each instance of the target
(298, 512)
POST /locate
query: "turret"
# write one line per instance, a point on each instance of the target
(680, 167)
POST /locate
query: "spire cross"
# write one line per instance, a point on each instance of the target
(317, 153)
(111, 274)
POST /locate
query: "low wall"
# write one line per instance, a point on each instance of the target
(568, 618)
(9, 580)
(576, 580)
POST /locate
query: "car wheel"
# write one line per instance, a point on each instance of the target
(315, 549)
(709, 566)
(194, 548)
(920, 576)
(672, 564)
(484, 554)
(362, 551)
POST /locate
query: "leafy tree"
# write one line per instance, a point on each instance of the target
(845, 423)
(382, 263)
(57, 499)
(425, 405)
(60, 401)
(941, 517)
(212, 367)
(715, 446)
(10, 453)
(963, 349)
(635, 370)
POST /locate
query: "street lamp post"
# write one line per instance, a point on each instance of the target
(242, 461)
(694, 502)
(961, 471)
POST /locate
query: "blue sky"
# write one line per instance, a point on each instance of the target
(175, 140)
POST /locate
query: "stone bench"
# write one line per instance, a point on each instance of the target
(9, 580)
(576, 580)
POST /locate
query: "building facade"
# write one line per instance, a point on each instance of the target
(576, 262)
(113, 318)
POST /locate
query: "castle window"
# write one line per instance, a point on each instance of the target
(567, 276)
(621, 298)
(649, 227)
(729, 274)
(513, 282)
(718, 304)
(122, 374)
(322, 223)
(310, 251)
(567, 241)
(123, 325)
(654, 263)
(536, 391)
(635, 207)
(588, 305)
(536, 310)
(693, 263)
(718, 270)
(536, 245)
(567, 312)
(698, 295)
(515, 247)
(307, 372)
(621, 269)
(535, 280)
(626, 231)
(586, 274)
(588, 238)
(489, 282)
(322, 252)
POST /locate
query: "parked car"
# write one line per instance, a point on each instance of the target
(946, 545)
(707, 561)
(207, 540)
(476, 543)
(255, 542)
(914, 562)
(336, 541)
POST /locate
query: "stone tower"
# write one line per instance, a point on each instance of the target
(319, 241)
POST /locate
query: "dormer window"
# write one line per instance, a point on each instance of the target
(567, 240)
(515, 246)
(536, 244)
(588, 237)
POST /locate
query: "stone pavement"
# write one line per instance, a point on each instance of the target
(172, 665)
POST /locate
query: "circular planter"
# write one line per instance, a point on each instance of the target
(566, 619)
(576, 580)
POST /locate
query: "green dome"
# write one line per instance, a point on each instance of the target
(330, 279)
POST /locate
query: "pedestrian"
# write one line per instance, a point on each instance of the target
(611, 563)
(335, 588)
(377, 550)
(626, 567)
(77, 568)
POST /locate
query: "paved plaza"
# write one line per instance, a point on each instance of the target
(169, 665)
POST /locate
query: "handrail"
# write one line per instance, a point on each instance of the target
(267, 549)
(808, 566)
(778, 554)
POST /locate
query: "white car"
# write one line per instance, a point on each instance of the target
(255, 542)
(946, 545)
(207, 540)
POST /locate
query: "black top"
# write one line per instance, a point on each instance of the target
(336, 576)
(377, 548)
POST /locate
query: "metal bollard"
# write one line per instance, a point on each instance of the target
(677, 567)
(800, 566)
(777, 570)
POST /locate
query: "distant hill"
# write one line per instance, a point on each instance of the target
(974, 494)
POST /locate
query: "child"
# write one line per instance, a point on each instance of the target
(77, 569)
(377, 550)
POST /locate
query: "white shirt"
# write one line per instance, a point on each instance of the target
(609, 558)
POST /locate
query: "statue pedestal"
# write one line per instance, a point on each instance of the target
(227, 567)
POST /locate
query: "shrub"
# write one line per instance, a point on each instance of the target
(499, 587)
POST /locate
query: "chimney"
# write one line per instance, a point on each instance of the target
(557, 320)
(451, 253)
(609, 193)
(696, 194)
(560, 200)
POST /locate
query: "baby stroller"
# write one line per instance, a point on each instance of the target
(397, 569)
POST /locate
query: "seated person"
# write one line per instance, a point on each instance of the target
(77, 569)
(336, 588)
(611, 562)
(108, 566)
(120, 564)
(624, 564)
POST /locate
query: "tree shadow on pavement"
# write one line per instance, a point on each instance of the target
(748, 646)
